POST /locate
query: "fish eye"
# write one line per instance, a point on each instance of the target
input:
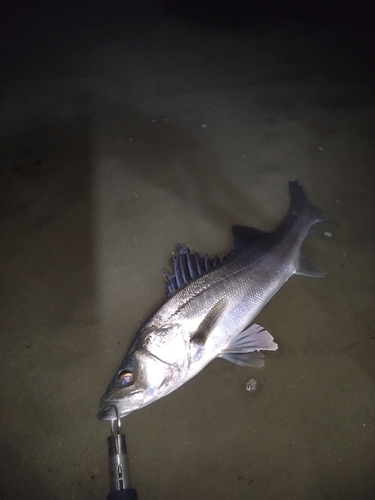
(125, 378)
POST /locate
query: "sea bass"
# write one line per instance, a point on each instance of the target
(210, 306)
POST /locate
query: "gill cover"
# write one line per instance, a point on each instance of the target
(149, 371)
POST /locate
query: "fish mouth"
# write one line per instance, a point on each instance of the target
(108, 412)
(115, 409)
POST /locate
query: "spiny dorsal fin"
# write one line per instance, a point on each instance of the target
(244, 235)
(187, 266)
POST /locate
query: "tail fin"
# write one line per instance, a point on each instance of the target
(301, 202)
(311, 214)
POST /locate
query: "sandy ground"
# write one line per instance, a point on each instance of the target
(124, 130)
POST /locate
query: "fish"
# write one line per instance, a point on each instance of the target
(210, 308)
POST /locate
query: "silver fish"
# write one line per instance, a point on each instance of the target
(210, 305)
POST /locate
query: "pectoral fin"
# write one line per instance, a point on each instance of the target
(209, 322)
(241, 350)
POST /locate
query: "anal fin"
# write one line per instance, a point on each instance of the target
(247, 359)
(306, 268)
(243, 348)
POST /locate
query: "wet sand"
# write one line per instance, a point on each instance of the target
(126, 128)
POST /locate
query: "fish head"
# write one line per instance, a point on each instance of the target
(148, 372)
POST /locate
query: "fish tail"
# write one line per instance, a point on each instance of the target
(309, 215)
(302, 204)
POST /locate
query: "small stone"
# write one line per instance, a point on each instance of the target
(328, 234)
(252, 385)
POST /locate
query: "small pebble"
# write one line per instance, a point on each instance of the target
(204, 125)
(328, 234)
(252, 385)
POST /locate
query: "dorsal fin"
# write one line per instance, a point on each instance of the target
(244, 235)
(187, 266)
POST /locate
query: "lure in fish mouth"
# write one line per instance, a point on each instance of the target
(210, 307)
